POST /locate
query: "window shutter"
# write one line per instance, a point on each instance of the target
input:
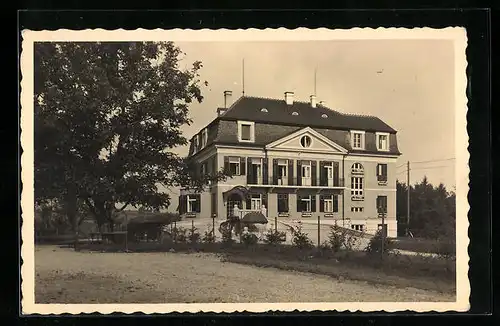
(198, 203)
(264, 200)
(182, 204)
(378, 204)
(226, 165)
(250, 171)
(299, 173)
(384, 171)
(313, 203)
(275, 171)
(299, 202)
(290, 172)
(336, 174)
(285, 199)
(321, 204)
(336, 203)
(313, 172)
(249, 201)
(265, 171)
(322, 174)
(242, 166)
(210, 168)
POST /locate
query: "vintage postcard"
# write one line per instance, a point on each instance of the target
(244, 170)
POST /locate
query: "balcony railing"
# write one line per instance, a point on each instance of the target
(298, 182)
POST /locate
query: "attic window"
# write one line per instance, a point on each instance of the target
(264, 110)
(324, 116)
(295, 113)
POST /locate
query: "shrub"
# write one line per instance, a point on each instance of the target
(341, 238)
(227, 236)
(208, 236)
(300, 239)
(375, 244)
(179, 235)
(274, 237)
(249, 239)
(194, 237)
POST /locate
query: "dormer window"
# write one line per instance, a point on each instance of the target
(295, 113)
(246, 131)
(324, 116)
(204, 137)
(382, 141)
(358, 139)
(264, 110)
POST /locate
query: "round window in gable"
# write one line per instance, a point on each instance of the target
(264, 110)
(324, 116)
(305, 141)
(295, 113)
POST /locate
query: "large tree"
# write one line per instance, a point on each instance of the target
(432, 210)
(107, 116)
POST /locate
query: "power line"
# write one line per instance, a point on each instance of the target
(446, 159)
(425, 168)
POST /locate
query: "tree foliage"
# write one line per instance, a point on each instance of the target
(107, 116)
(432, 210)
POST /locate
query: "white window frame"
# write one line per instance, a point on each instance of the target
(204, 137)
(362, 139)
(307, 199)
(302, 174)
(328, 201)
(357, 209)
(357, 169)
(252, 131)
(235, 160)
(357, 191)
(358, 227)
(386, 134)
(195, 143)
(190, 200)
(256, 202)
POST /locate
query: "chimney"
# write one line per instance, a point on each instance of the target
(227, 99)
(221, 111)
(289, 98)
(322, 103)
(313, 101)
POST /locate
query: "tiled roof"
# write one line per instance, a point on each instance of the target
(279, 112)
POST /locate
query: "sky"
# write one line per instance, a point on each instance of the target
(409, 84)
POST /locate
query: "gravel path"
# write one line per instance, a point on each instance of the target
(65, 276)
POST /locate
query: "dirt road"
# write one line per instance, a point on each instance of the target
(65, 276)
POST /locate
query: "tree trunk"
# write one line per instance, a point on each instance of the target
(71, 208)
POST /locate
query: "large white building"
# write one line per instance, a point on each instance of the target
(299, 160)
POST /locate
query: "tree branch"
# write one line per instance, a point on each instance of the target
(123, 207)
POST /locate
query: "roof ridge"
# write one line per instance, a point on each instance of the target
(358, 115)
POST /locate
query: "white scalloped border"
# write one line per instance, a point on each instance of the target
(457, 34)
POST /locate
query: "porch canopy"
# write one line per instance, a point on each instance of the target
(238, 190)
(255, 218)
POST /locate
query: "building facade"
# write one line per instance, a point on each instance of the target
(298, 160)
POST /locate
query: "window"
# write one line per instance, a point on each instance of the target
(204, 137)
(295, 113)
(358, 227)
(264, 110)
(357, 168)
(358, 139)
(234, 165)
(329, 204)
(382, 173)
(356, 209)
(246, 131)
(256, 202)
(306, 204)
(282, 203)
(306, 173)
(382, 141)
(282, 169)
(381, 205)
(305, 141)
(193, 203)
(324, 116)
(203, 168)
(357, 188)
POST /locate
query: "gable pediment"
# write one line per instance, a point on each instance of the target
(307, 139)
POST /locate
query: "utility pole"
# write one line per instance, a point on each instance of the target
(408, 199)
(382, 210)
(243, 76)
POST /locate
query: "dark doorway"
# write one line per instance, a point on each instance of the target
(233, 199)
